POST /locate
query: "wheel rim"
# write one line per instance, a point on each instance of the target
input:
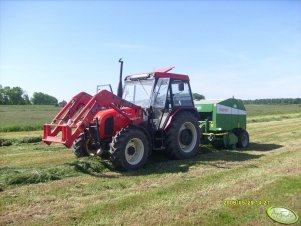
(134, 151)
(91, 150)
(187, 145)
(244, 140)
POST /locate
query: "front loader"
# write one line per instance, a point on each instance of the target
(154, 111)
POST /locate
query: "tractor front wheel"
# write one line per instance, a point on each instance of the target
(87, 147)
(129, 149)
(79, 147)
(183, 136)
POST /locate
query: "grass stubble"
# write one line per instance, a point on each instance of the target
(46, 185)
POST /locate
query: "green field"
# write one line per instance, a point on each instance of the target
(25, 117)
(32, 117)
(47, 185)
(270, 109)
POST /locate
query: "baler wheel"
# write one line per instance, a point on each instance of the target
(129, 149)
(183, 136)
(243, 139)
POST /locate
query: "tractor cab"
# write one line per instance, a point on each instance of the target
(139, 90)
(159, 93)
(158, 89)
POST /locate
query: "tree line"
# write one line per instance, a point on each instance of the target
(274, 101)
(197, 96)
(17, 96)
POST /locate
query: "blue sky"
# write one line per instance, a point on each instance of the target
(246, 49)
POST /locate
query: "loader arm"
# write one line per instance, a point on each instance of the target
(72, 120)
(70, 110)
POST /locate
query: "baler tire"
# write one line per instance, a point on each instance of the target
(174, 144)
(218, 145)
(126, 138)
(243, 139)
(78, 147)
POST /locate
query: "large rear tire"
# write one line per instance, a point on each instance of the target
(129, 149)
(183, 136)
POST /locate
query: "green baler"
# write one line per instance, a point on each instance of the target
(223, 122)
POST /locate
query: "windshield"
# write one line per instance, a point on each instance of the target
(139, 92)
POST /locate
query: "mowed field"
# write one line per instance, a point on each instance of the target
(29, 117)
(47, 185)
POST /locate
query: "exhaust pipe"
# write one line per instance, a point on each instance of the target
(119, 91)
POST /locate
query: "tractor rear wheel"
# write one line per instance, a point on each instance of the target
(243, 138)
(183, 136)
(129, 149)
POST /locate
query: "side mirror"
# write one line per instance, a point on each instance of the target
(181, 86)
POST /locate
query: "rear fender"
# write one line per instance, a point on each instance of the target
(176, 112)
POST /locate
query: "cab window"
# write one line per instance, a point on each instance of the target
(181, 93)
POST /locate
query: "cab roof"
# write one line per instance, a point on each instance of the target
(159, 73)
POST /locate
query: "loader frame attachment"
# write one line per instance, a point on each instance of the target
(75, 117)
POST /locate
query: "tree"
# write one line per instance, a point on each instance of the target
(26, 98)
(63, 103)
(274, 101)
(42, 98)
(15, 96)
(4, 95)
(11, 95)
(197, 96)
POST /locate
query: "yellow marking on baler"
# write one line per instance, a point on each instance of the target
(217, 134)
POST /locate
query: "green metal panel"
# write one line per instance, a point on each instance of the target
(225, 114)
(218, 120)
(235, 103)
(204, 107)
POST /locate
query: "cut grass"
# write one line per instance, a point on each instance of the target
(269, 118)
(283, 190)
(15, 176)
(24, 140)
(32, 175)
(187, 192)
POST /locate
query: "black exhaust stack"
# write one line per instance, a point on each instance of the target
(119, 91)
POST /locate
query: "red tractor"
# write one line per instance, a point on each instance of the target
(155, 111)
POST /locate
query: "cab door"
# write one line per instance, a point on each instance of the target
(159, 103)
(181, 94)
